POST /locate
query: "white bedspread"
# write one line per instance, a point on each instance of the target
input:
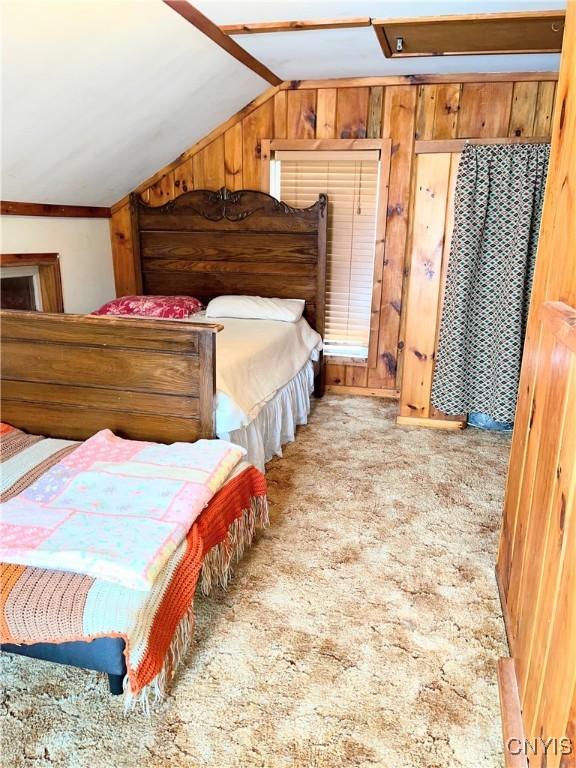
(255, 359)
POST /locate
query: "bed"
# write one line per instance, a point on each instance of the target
(137, 637)
(158, 379)
(69, 376)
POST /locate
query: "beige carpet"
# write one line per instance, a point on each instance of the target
(362, 629)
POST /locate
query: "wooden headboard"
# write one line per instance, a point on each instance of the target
(207, 244)
(71, 375)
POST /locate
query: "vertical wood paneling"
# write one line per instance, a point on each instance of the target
(352, 113)
(214, 174)
(554, 278)
(184, 177)
(430, 203)
(523, 111)
(425, 111)
(356, 376)
(448, 230)
(549, 400)
(375, 107)
(433, 111)
(398, 124)
(544, 108)
(280, 109)
(265, 157)
(257, 126)
(536, 560)
(485, 110)
(335, 374)
(379, 251)
(536, 607)
(125, 272)
(233, 157)
(162, 191)
(326, 113)
(447, 109)
(198, 170)
(301, 115)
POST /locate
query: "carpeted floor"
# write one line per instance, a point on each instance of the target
(362, 628)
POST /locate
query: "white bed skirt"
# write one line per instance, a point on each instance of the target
(275, 425)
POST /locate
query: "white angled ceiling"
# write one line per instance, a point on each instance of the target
(356, 52)
(98, 95)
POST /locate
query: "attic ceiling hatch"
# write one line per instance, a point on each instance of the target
(535, 32)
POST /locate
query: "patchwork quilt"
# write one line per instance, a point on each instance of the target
(39, 605)
(75, 516)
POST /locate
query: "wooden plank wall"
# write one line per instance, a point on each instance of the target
(491, 106)
(429, 244)
(537, 557)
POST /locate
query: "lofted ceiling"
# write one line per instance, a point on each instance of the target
(356, 52)
(97, 95)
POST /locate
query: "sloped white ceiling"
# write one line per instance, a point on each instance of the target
(98, 95)
(356, 52)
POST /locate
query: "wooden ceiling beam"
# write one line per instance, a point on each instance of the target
(259, 28)
(211, 30)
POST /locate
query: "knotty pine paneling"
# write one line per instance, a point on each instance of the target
(326, 113)
(256, 126)
(375, 104)
(301, 115)
(544, 109)
(429, 220)
(446, 111)
(184, 177)
(356, 109)
(126, 272)
(536, 561)
(400, 104)
(485, 110)
(352, 113)
(523, 112)
(209, 166)
(233, 157)
(160, 192)
(280, 115)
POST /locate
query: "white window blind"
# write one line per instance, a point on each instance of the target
(350, 179)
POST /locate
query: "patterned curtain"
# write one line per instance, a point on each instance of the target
(498, 204)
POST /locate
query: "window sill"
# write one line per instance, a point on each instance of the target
(360, 362)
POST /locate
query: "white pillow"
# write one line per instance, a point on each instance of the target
(256, 307)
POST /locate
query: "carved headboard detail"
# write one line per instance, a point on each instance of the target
(205, 244)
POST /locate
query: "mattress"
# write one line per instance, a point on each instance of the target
(255, 359)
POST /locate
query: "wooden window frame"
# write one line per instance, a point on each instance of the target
(384, 146)
(48, 273)
(451, 146)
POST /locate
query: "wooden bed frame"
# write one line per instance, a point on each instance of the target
(71, 375)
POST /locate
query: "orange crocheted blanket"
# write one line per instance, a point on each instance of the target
(40, 605)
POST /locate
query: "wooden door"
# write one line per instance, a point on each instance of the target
(537, 558)
(432, 221)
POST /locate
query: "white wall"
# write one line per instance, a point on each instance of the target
(85, 254)
(98, 95)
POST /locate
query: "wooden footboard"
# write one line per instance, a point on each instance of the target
(69, 376)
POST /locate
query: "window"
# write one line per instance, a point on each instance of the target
(350, 179)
